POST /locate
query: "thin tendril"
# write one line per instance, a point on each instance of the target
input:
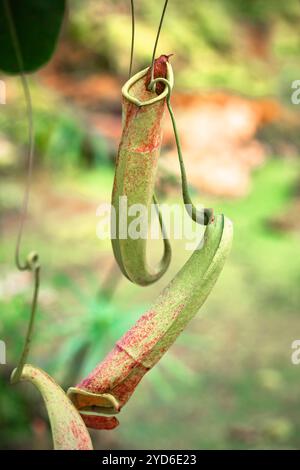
(132, 36)
(29, 174)
(151, 84)
(32, 261)
(191, 209)
(20, 266)
(16, 375)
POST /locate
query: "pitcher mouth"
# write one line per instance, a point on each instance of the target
(93, 404)
(138, 76)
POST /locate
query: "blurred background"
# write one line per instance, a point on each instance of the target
(228, 382)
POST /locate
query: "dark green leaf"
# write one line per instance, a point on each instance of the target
(37, 24)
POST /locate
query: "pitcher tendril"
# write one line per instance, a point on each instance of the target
(33, 264)
(152, 84)
(196, 215)
(203, 216)
(32, 260)
(132, 36)
(28, 102)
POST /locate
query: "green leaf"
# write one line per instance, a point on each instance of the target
(37, 24)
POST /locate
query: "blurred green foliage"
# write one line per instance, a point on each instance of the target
(62, 139)
(259, 10)
(210, 40)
